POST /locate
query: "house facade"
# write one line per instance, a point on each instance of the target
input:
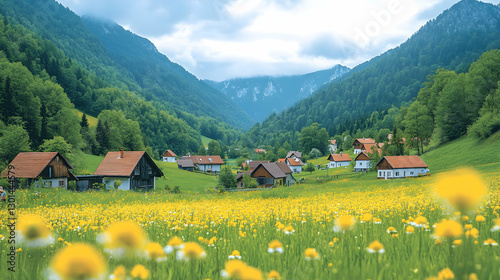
(185, 164)
(169, 156)
(49, 169)
(295, 164)
(392, 167)
(274, 173)
(363, 162)
(359, 144)
(211, 164)
(339, 160)
(134, 169)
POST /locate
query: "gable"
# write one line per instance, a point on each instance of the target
(33, 164)
(362, 156)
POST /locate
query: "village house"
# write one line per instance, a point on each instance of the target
(169, 156)
(274, 173)
(332, 146)
(339, 160)
(294, 154)
(135, 169)
(295, 164)
(185, 164)
(391, 167)
(361, 144)
(49, 169)
(211, 164)
(363, 162)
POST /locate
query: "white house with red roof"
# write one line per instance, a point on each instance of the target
(332, 146)
(363, 144)
(295, 164)
(391, 167)
(169, 156)
(339, 160)
(363, 162)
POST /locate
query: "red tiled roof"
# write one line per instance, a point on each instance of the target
(282, 160)
(213, 160)
(339, 157)
(260, 151)
(294, 162)
(30, 165)
(169, 153)
(365, 140)
(114, 165)
(405, 161)
(369, 148)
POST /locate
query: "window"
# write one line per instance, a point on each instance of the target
(411, 172)
(360, 164)
(397, 173)
(61, 183)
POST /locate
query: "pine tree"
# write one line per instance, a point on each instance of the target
(84, 123)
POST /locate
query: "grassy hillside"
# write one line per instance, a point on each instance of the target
(464, 152)
(187, 181)
(205, 140)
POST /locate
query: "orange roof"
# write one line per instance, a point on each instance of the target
(260, 151)
(207, 160)
(30, 165)
(282, 160)
(339, 157)
(365, 141)
(114, 165)
(405, 161)
(294, 162)
(169, 153)
(333, 142)
(370, 147)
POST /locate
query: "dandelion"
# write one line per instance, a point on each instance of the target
(123, 238)
(490, 242)
(420, 221)
(391, 230)
(119, 273)
(311, 254)
(375, 247)
(289, 230)
(60, 239)
(140, 271)
(395, 235)
(448, 229)
(235, 255)
(79, 261)
(154, 251)
(330, 243)
(480, 218)
(275, 247)
(344, 223)
(410, 230)
(446, 274)
(273, 275)
(238, 270)
(457, 242)
(173, 244)
(367, 217)
(463, 189)
(191, 251)
(473, 276)
(377, 221)
(473, 232)
(33, 232)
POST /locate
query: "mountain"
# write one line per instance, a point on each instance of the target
(261, 96)
(452, 41)
(125, 60)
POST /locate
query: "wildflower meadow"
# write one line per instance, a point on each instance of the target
(440, 227)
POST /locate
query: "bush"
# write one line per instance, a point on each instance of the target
(176, 189)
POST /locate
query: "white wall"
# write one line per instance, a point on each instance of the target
(362, 165)
(335, 164)
(109, 181)
(296, 169)
(55, 182)
(357, 151)
(401, 173)
(206, 167)
(169, 159)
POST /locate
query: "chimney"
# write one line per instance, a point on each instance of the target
(121, 152)
(340, 153)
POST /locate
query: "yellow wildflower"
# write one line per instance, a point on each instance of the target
(448, 229)
(311, 254)
(191, 251)
(376, 247)
(344, 223)
(463, 189)
(446, 274)
(79, 261)
(275, 247)
(139, 271)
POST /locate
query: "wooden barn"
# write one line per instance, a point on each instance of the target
(169, 156)
(274, 173)
(49, 169)
(135, 169)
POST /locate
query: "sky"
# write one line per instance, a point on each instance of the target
(225, 39)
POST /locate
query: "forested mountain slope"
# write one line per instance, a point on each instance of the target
(452, 41)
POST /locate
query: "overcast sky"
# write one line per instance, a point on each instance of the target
(223, 39)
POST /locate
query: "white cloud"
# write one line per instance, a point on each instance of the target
(221, 39)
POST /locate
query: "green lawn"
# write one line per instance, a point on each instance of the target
(186, 180)
(88, 163)
(205, 141)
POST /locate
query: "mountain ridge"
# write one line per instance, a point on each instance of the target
(261, 96)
